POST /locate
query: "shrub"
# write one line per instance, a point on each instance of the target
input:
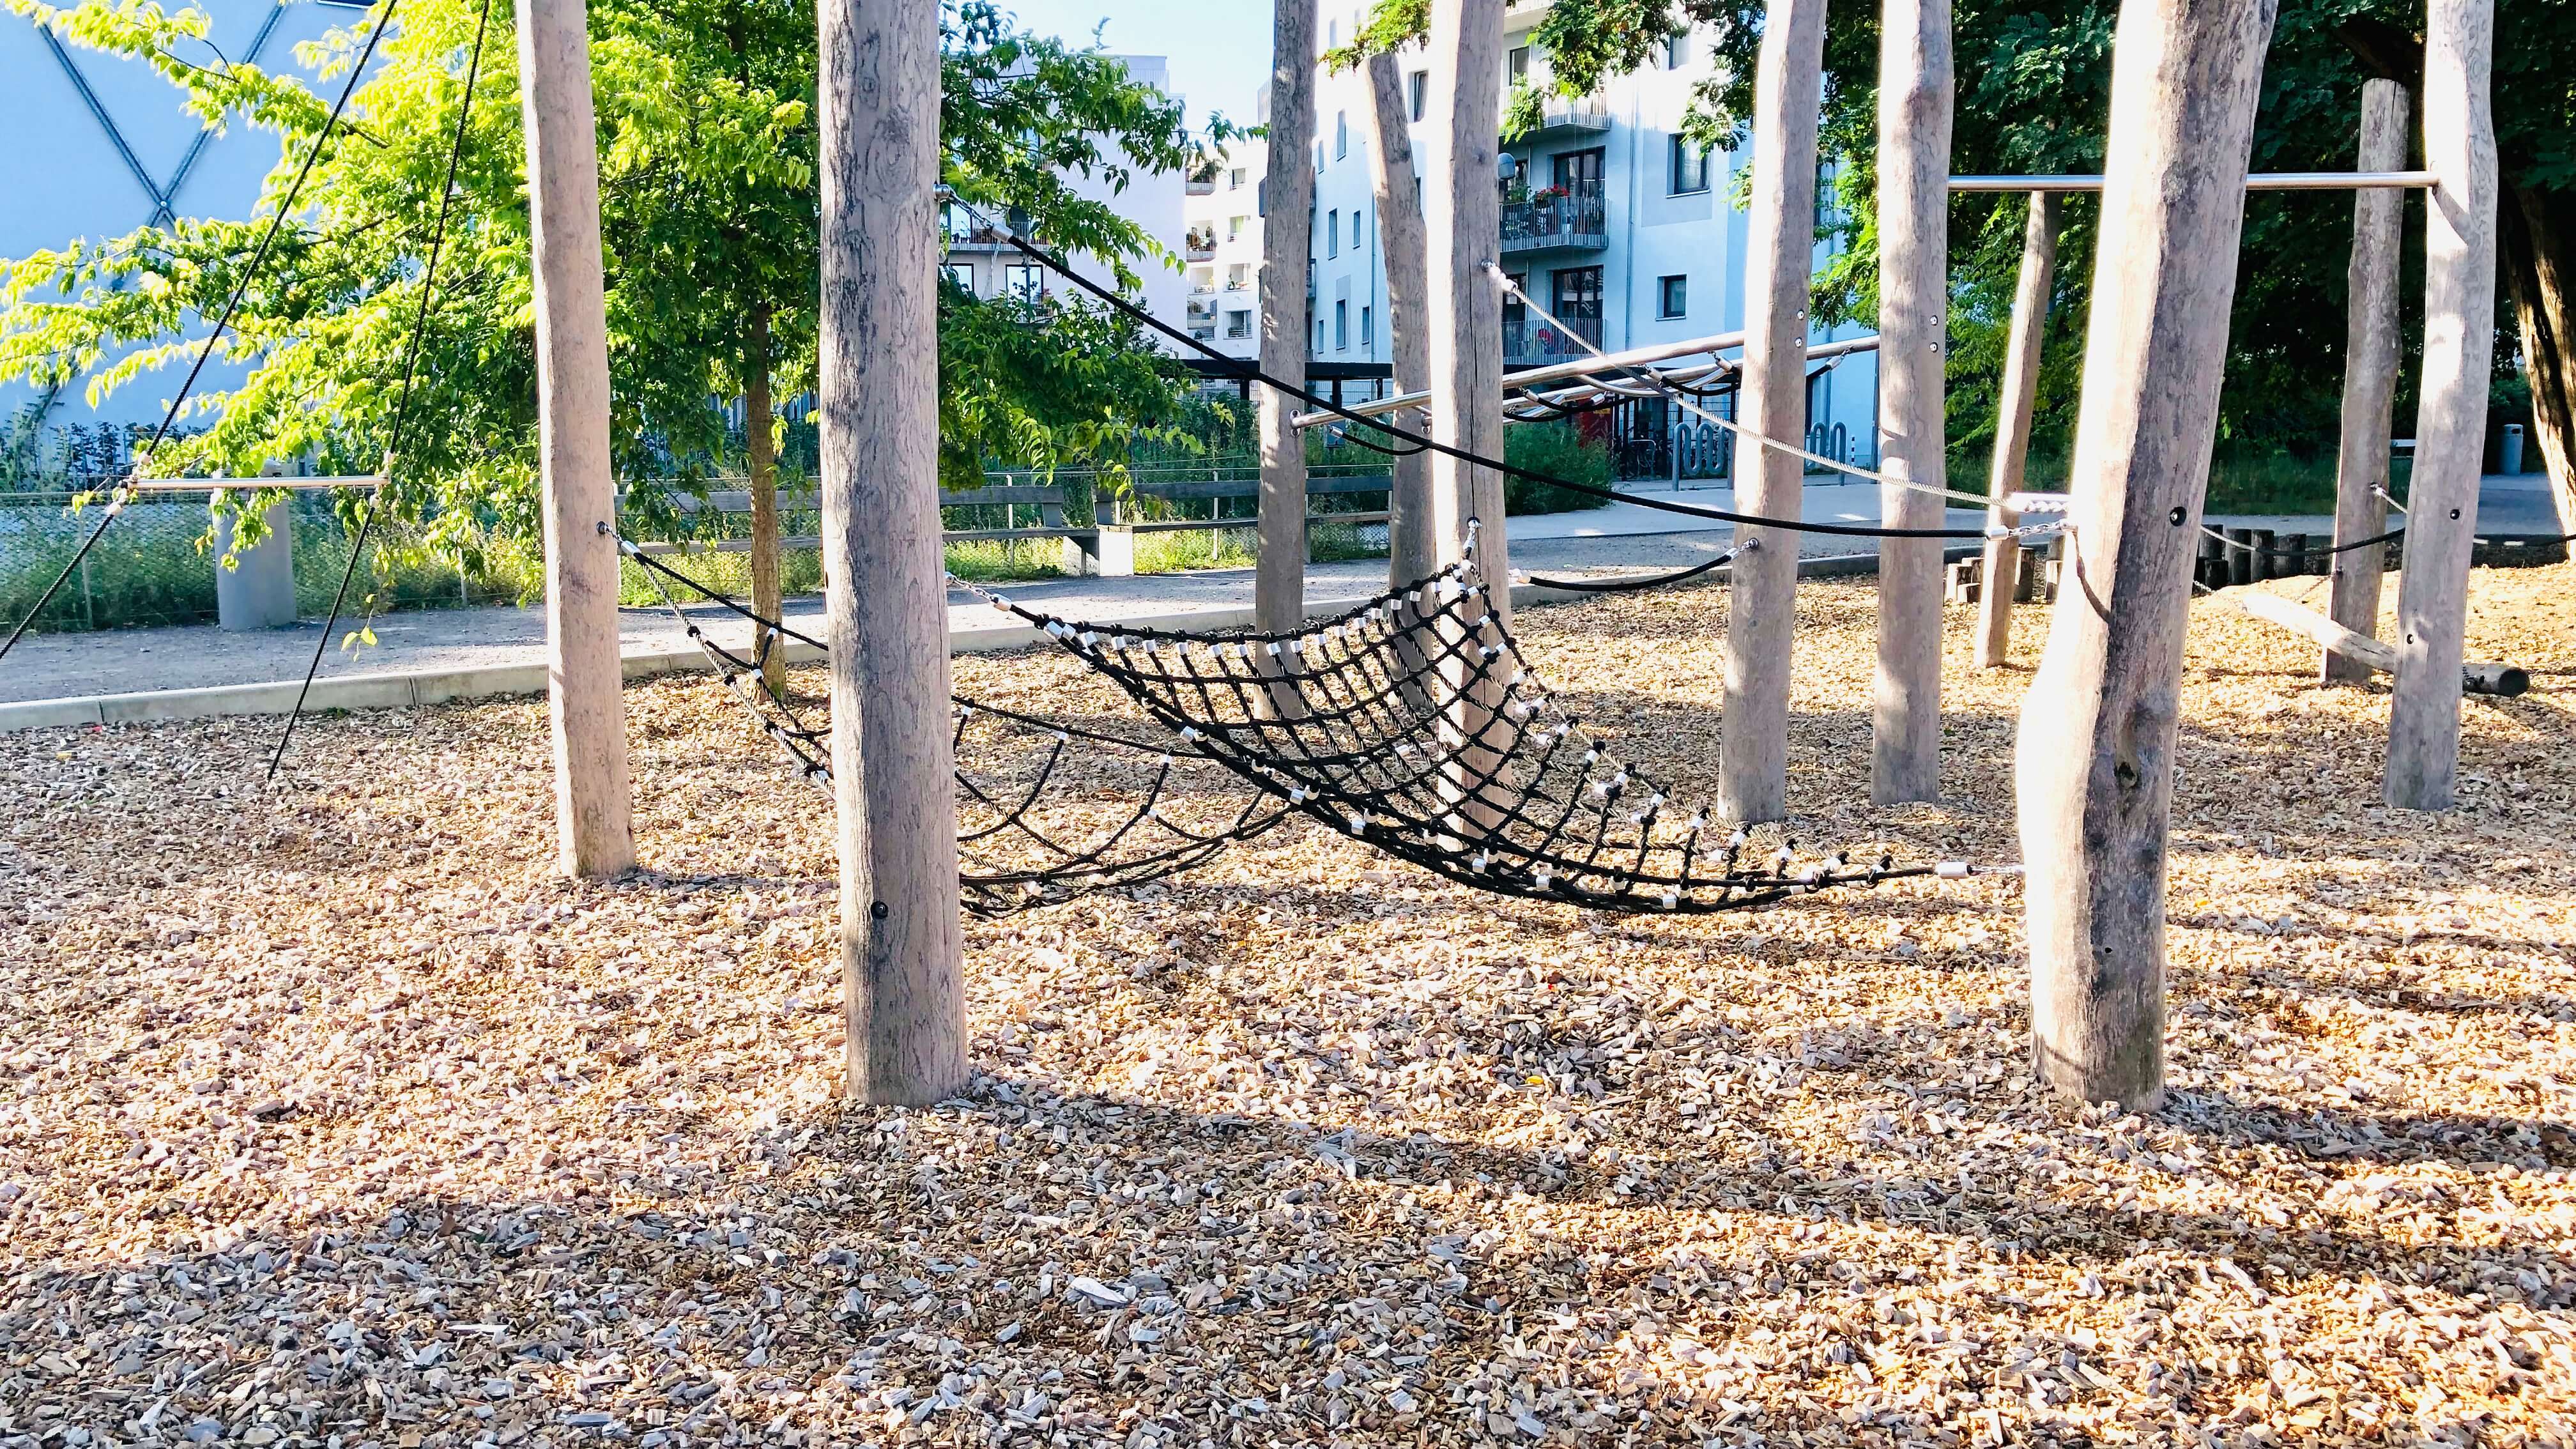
(1559, 451)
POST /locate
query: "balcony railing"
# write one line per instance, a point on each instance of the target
(1532, 343)
(1197, 187)
(1585, 117)
(1557, 217)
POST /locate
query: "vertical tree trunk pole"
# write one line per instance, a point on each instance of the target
(594, 828)
(2095, 769)
(2451, 420)
(2019, 406)
(893, 772)
(2534, 230)
(1464, 307)
(1416, 519)
(1779, 249)
(1288, 203)
(1463, 301)
(1914, 90)
(758, 424)
(2369, 376)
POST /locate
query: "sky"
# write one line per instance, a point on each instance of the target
(1219, 49)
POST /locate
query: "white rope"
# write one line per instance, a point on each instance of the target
(1977, 500)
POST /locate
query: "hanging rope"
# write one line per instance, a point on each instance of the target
(125, 490)
(402, 399)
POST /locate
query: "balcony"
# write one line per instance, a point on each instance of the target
(1566, 119)
(1199, 246)
(1557, 218)
(975, 238)
(1528, 342)
(1198, 187)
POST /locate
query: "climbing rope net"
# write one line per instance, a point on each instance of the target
(1411, 723)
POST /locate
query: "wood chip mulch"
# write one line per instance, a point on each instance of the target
(329, 1116)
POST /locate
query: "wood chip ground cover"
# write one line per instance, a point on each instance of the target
(329, 1117)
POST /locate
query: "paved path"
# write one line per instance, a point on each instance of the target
(1610, 538)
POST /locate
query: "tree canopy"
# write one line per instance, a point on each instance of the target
(709, 206)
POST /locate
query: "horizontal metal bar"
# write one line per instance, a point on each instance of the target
(251, 485)
(1577, 371)
(2259, 181)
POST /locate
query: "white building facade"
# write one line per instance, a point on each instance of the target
(1616, 225)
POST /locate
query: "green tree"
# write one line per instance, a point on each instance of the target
(710, 218)
(2034, 96)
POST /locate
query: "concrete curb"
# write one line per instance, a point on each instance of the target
(398, 689)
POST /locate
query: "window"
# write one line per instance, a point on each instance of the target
(1418, 92)
(1238, 276)
(1332, 34)
(1341, 134)
(1689, 166)
(1234, 227)
(1518, 67)
(1238, 324)
(1333, 232)
(1234, 179)
(1341, 326)
(1021, 283)
(1674, 294)
(1319, 155)
(1574, 295)
(1355, 229)
(962, 273)
(1368, 334)
(1677, 50)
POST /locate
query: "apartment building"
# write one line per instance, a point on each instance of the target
(977, 257)
(1222, 246)
(1615, 225)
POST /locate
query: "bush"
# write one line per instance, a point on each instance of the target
(1558, 450)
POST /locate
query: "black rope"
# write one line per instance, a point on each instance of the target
(1633, 585)
(402, 399)
(285, 207)
(1062, 268)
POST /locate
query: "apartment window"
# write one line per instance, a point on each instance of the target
(1518, 66)
(1418, 92)
(1333, 233)
(1689, 166)
(1355, 229)
(1332, 34)
(1319, 155)
(1341, 326)
(1673, 294)
(1234, 178)
(1239, 276)
(1677, 50)
(1234, 227)
(1341, 134)
(1021, 283)
(1368, 333)
(961, 273)
(1238, 324)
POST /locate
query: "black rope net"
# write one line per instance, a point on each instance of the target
(1048, 808)
(1413, 723)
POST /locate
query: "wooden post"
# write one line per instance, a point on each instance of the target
(2369, 376)
(1780, 245)
(1288, 199)
(594, 829)
(1416, 519)
(2096, 757)
(2451, 420)
(2018, 405)
(893, 772)
(1463, 304)
(758, 424)
(1914, 89)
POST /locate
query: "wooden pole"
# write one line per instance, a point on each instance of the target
(594, 829)
(1780, 245)
(1914, 91)
(2369, 377)
(893, 772)
(1288, 203)
(2096, 756)
(761, 440)
(2019, 405)
(2450, 421)
(1416, 518)
(1463, 301)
